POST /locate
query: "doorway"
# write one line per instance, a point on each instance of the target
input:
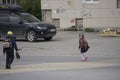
(56, 22)
(79, 23)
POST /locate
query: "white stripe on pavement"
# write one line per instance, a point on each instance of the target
(57, 66)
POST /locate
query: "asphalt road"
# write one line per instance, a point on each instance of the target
(60, 59)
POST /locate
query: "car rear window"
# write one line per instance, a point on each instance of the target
(4, 18)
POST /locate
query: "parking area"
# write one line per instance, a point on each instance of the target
(66, 44)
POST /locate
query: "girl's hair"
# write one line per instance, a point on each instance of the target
(81, 36)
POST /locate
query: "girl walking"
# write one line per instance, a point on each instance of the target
(83, 47)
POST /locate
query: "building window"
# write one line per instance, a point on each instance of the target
(91, 1)
(118, 3)
(4, 2)
(13, 2)
(9, 1)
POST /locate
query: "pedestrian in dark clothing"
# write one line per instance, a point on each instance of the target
(9, 51)
(83, 46)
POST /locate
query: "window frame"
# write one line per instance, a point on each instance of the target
(118, 3)
(91, 1)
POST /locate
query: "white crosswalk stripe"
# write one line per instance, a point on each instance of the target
(58, 66)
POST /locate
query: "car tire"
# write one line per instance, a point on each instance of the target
(47, 38)
(31, 36)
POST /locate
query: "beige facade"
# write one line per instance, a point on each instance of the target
(82, 13)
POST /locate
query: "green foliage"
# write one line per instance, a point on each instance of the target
(72, 28)
(89, 29)
(31, 6)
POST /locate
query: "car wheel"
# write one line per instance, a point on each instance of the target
(48, 38)
(31, 36)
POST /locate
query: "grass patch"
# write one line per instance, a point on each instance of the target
(89, 30)
(74, 28)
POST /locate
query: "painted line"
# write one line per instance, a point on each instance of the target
(56, 66)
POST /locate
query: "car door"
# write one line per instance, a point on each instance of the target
(17, 26)
(4, 24)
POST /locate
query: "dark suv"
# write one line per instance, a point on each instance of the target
(25, 25)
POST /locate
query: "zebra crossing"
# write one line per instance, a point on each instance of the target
(58, 66)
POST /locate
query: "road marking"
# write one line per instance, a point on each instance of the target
(57, 66)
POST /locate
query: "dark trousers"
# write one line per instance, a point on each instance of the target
(9, 56)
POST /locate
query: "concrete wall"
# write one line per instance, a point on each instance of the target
(102, 14)
(0, 1)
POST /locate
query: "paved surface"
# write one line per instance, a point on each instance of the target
(60, 59)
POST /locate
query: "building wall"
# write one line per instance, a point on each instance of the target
(0, 1)
(96, 15)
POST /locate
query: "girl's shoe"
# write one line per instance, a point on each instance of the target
(85, 59)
